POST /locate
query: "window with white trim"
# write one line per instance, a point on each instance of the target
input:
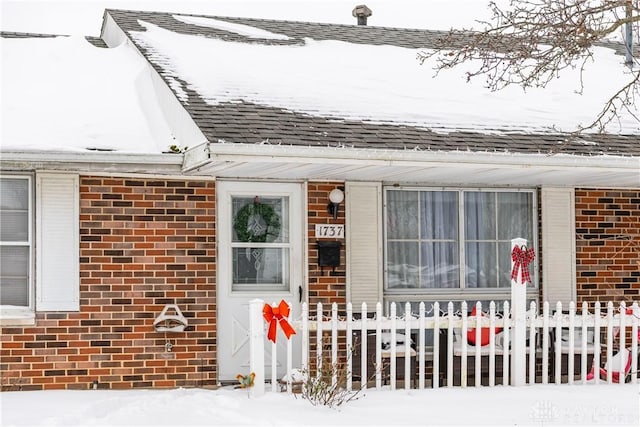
(16, 241)
(454, 244)
(39, 245)
(260, 243)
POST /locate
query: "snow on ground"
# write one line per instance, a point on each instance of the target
(536, 405)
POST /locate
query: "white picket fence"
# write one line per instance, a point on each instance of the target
(588, 334)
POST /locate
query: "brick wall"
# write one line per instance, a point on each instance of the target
(608, 245)
(144, 243)
(325, 285)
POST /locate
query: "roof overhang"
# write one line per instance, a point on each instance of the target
(92, 162)
(267, 161)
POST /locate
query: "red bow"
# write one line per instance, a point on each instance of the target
(521, 259)
(275, 315)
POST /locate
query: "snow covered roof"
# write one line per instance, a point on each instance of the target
(295, 83)
(256, 89)
(65, 93)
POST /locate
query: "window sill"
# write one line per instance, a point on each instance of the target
(17, 316)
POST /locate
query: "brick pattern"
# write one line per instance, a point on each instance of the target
(144, 243)
(608, 245)
(325, 285)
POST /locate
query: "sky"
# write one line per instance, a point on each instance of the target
(84, 17)
(85, 98)
(535, 405)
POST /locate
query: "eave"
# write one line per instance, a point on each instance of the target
(264, 161)
(92, 162)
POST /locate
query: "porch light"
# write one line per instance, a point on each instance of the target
(336, 196)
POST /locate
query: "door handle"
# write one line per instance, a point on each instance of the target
(300, 293)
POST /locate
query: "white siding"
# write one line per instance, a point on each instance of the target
(57, 242)
(558, 245)
(364, 243)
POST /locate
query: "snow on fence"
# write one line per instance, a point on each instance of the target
(564, 346)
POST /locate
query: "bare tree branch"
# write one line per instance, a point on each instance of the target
(531, 42)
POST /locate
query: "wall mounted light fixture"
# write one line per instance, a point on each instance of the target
(336, 196)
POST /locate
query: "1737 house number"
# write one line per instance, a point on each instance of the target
(331, 231)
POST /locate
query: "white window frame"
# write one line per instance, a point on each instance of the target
(54, 218)
(23, 315)
(460, 293)
(291, 266)
(284, 247)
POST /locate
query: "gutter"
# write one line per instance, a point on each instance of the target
(87, 161)
(206, 153)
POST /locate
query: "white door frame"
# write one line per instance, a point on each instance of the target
(233, 306)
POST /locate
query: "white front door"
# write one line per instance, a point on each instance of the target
(260, 255)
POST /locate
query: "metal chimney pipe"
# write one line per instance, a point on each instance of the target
(362, 12)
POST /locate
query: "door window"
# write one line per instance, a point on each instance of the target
(260, 243)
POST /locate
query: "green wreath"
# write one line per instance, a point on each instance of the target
(257, 222)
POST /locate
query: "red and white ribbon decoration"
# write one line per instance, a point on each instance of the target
(521, 257)
(277, 314)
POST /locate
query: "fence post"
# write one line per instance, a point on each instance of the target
(519, 313)
(256, 346)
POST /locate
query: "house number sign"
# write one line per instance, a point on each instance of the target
(334, 231)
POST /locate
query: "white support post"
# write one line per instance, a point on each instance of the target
(435, 377)
(334, 344)
(557, 343)
(506, 343)
(274, 366)
(492, 344)
(583, 344)
(634, 343)
(572, 343)
(392, 356)
(378, 346)
(532, 342)
(622, 340)
(519, 318)
(545, 342)
(256, 347)
(304, 362)
(596, 341)
(364, 332)
(407, 347)
(463, 337)
(421, 363)
(349, 339)
(450, 345)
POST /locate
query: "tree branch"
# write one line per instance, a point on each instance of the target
(533, 41)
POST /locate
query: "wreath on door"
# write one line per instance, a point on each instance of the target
(257, 222)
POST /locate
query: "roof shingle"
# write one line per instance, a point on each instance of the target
(250, 123)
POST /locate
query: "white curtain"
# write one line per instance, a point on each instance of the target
(423, 237)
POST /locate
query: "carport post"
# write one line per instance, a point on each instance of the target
(256, 346)
(519, 329)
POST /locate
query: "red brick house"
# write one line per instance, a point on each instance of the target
(97, 242)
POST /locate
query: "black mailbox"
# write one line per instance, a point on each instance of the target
(328, 253)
